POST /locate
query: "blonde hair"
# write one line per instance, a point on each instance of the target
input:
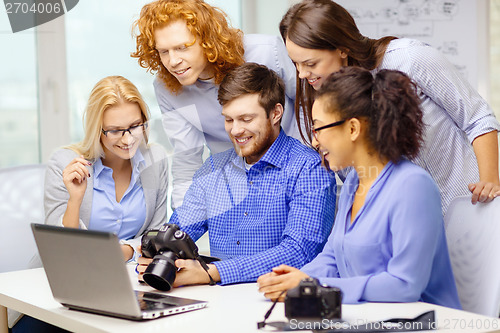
(222, 44)
(108, 92)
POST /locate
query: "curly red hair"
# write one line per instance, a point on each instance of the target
(222, 44)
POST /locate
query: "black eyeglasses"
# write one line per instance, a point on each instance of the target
(135, 130)
(316, 130)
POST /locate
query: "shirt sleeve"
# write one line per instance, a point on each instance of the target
(309, 222)
(192, 217)
(416, 233)
(287, 72)
(187, 142)
(285, 69)
(325, 264)
(160, 167)
(134, 243)
(438, 79)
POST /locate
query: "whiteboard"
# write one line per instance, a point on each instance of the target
(457, 28)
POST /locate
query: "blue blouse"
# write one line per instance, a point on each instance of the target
(395, 250)
(125, 218)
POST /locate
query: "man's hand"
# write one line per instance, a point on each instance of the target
(191, 272)
(282, 278)
(484, 192)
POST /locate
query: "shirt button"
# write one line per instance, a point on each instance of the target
(238, 242)
(245, 213)
(117, 221)
(250, 182)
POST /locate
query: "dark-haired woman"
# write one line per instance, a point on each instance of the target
(388, 242)
(460, 149)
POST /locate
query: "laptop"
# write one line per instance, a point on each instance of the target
(86, 272)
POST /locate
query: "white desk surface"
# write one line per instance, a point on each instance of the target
(234, 308)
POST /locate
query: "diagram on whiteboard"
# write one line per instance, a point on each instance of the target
(450, 26)
(409, 18)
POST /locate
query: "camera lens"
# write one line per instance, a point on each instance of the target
(160, 273)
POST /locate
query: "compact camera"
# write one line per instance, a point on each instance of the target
(165, 246)
(311, 300)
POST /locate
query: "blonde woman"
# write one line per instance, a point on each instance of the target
(112, 180)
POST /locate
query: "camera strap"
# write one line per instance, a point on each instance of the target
(424, 322)
(268, 313)
(205, 267)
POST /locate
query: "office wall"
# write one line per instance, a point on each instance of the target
(495, 56)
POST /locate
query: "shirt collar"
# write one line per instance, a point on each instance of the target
(138, 160)
(238, 161)
(98, 167)
(386, 171)
(202, 84)
(381, 178)
(275, 155)
(137, 163)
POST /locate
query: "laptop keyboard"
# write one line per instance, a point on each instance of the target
(153, 305)
(154, 298)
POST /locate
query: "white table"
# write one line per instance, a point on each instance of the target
(235, 308)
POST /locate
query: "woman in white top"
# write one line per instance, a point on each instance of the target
(460, 150)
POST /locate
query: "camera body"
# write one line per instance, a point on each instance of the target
(311, 300)
(165, 246)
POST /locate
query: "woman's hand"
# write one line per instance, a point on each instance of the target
(75, 178)
(484, 192)
(280, 279)
(142, 264)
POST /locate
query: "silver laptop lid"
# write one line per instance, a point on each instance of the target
(86, 269)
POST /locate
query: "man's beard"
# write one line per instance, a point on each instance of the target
(260, 146)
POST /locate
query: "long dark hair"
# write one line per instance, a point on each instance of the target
(325, 25)
(388, 101)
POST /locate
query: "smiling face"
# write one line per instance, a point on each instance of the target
(181, 53)
(249, 128)
(121, 116)
(334, 143)
(315, 65)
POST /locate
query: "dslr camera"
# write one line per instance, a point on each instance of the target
(165, 246)
(311, 300)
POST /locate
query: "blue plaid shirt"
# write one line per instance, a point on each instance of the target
(281, 211)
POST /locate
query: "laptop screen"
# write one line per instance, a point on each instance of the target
(86, 269)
